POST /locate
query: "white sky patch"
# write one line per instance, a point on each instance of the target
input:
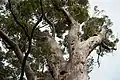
(3, 49)
(81, 26)
(63, 36)
(110, 63)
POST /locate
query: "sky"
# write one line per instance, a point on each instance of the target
(110, 63)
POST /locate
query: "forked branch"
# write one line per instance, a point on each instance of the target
(29, 46)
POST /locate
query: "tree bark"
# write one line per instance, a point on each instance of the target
(76, 68)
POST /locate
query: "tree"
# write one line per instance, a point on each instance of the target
(29, 30)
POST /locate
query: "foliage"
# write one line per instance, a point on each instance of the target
(27, 12)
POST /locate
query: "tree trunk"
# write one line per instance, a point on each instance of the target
(79, 72)
(76, 68)
(75, 71)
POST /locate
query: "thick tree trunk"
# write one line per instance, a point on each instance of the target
(77, 72)
(76, 68)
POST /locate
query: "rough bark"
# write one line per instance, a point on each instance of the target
(29, 72)
(76, 68)
(55, 60)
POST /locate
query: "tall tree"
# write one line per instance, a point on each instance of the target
(32, 32)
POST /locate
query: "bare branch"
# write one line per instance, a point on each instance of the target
(95, 41)
(67, 14)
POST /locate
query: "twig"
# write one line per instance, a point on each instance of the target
(98, 60)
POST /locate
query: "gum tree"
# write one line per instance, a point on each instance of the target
(29, 32)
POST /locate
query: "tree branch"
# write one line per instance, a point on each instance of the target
(54, 58)
(56, 62)
(56, 4)
(47, 20)
(94, 41)
(51, 24)
(29, 37)
(29, 72)
(29, 47)
(67, 14)
(16, 20)
(73, 36)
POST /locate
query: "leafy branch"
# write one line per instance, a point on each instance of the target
(29, 36)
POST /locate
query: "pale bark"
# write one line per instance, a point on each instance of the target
(57, 61)
(76, 69)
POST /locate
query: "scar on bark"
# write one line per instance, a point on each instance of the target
(73, 49)
(72, 43)
(63, 72)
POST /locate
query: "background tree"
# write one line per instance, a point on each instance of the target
(29, 32)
